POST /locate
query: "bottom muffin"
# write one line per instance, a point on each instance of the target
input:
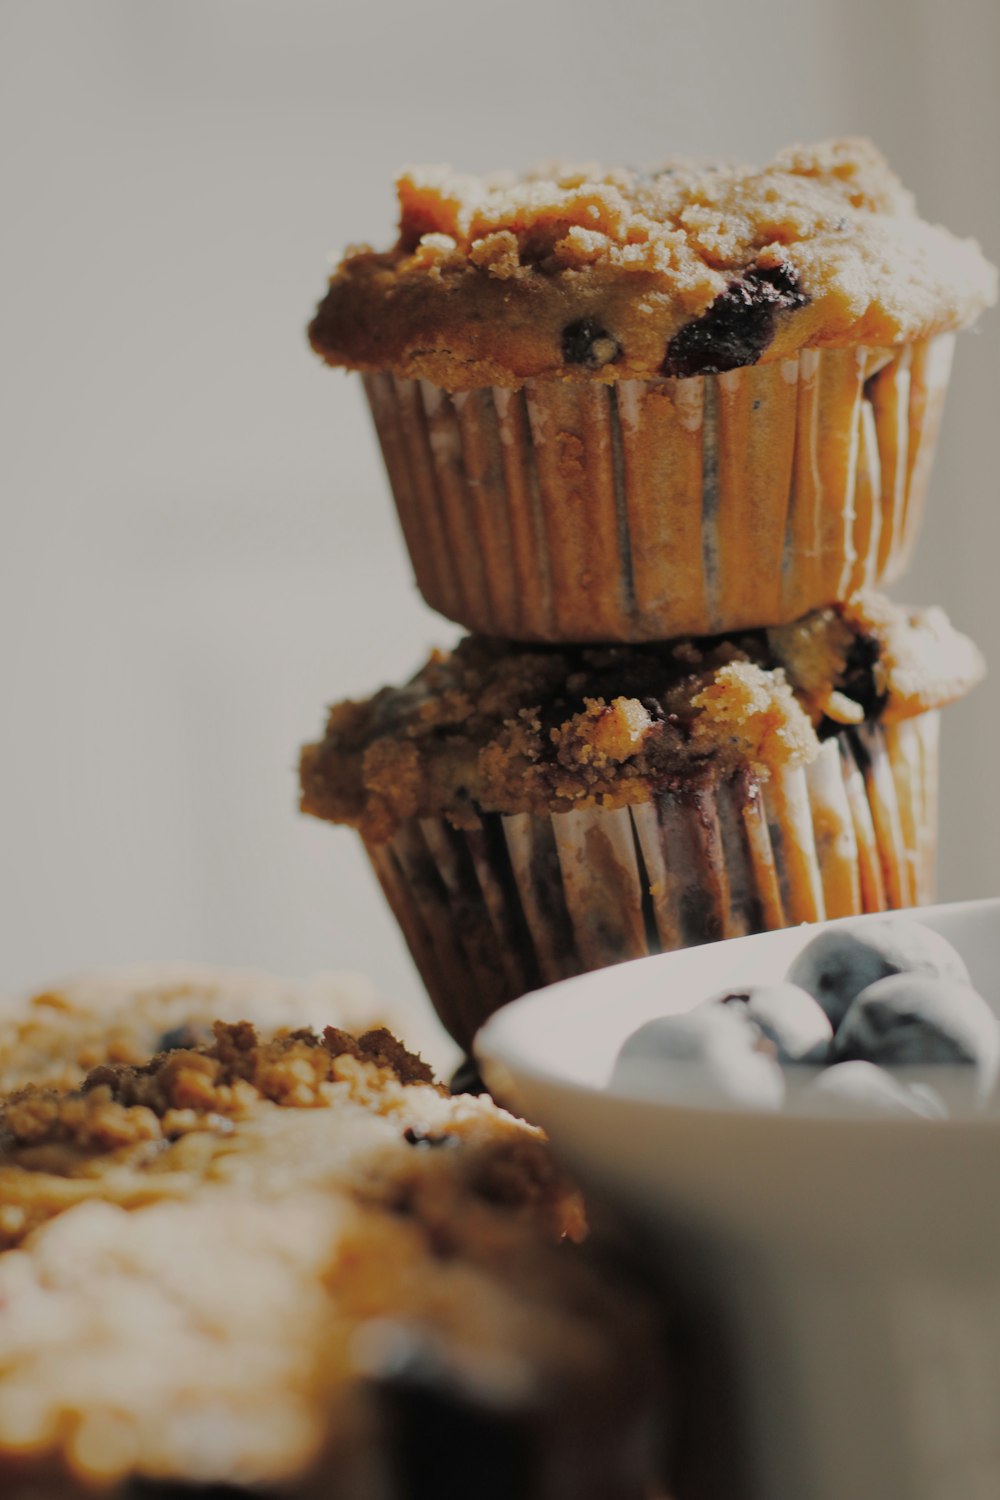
(535, 813)
(288, 1263)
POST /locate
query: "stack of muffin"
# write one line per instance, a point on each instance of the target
(655, 439)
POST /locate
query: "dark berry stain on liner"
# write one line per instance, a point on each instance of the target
(168, 1489)
(738, 326)
(587, 343)
(437, 1434)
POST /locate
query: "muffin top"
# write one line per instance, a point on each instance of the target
(497, 727)
(690, 269)
(55, 1036)
(261, 1256)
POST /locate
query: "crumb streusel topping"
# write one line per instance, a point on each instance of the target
(496, 727)
(585, 272)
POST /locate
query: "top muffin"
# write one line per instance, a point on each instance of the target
(690, 269)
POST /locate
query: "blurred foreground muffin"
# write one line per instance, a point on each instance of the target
(128, 1013)
(534, 813)
(287, 1263)
(620, 405)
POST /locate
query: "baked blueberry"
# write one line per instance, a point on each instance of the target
(585, 342)
(914, 1020)
(467, 1079)
(428, 1140)
(789, 1018)
(862, 1088)
(864, 679)
(713, 1055)
(738, 326)
(186, 1037)
(844, 960)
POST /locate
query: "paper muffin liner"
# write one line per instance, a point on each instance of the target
(521, 901)
(641, 510)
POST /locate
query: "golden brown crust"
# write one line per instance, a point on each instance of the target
(589, 273)
(495, 727)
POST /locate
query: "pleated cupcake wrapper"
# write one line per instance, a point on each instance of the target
(642, 510)
(492, 912)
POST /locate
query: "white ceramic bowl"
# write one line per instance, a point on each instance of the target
(846, 1272)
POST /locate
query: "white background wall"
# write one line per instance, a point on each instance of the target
(198, 548)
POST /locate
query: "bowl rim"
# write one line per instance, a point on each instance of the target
(501, 1046)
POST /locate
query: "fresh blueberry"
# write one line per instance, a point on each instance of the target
(842, 961)
(789, 1018)
(860, 1088)
(709, 1056)
(913, 1020)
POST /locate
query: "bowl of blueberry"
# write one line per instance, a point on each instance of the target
(802, 1131)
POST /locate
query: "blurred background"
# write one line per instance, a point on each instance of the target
(199, 550)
